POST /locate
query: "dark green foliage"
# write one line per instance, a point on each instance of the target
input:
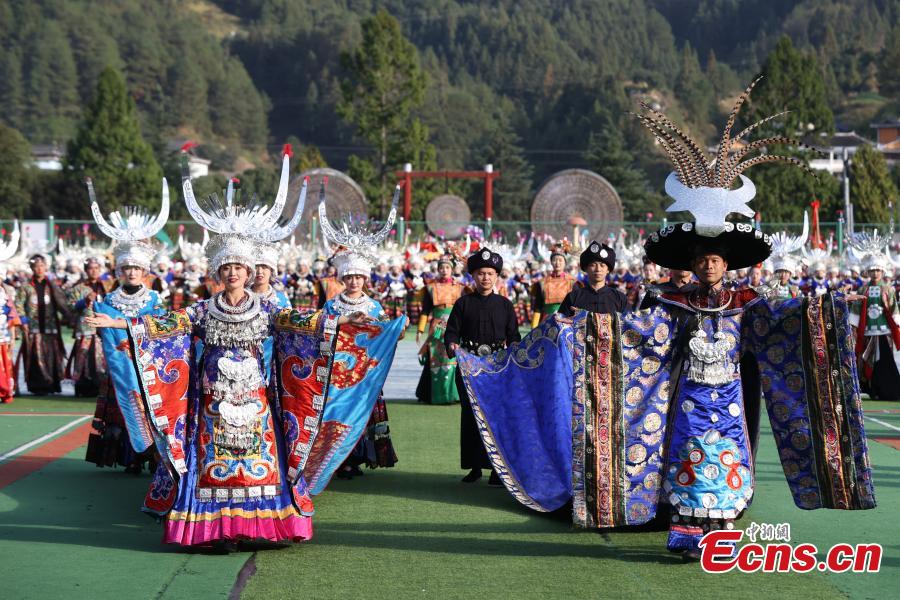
(783, 192)
(383, 84)
(513, 190)
(15, 176)
(791, 81)
(871, 186)
(546, 74)
(109, 148)
(608, 156)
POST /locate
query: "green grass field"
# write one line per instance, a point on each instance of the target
(72, 530)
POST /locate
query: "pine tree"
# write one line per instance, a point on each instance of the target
(15, 154)
(109, 148)
(513, 195)
(791, 81)
(608, 156)
(871, 186)
(384, 83)
(693, 88)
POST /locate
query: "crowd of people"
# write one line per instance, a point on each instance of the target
(248, 371)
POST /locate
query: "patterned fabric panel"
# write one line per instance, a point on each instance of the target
(809, 380)
(620, 418)
(161, 352)
(123, 375)
(303, 358)
(362, 358)
(522, 401)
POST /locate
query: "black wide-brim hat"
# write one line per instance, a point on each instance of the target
(676, 246)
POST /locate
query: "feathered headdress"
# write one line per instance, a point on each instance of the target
(702, 186)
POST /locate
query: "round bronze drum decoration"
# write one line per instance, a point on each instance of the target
(342, 196)
(574, 194)
(448, 215)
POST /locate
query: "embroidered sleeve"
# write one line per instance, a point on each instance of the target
(304, 321)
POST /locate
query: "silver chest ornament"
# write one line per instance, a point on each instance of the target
(708, 362)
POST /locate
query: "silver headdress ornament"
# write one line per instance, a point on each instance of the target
(241, 227)
(785, 245)
(874, 249)
(8, 249)
(267, 240)
(131, 230)
(356, 257)
(702, 186)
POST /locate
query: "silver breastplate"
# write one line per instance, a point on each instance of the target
(708, 362)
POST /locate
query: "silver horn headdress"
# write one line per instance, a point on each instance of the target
(874, 249)
(241, 226)
(356, 253)
(130, 227)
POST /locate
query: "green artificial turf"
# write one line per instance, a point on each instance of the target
(28, 403)
(415, 531)
(18, 430)
(71, 530)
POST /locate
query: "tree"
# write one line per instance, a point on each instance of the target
(783, 192)
(15, 154)
(889, 65)
(513, 189)
(11, 90)
(607, 155)
(791, 81)
(384, 84)
(693, 88)
(110, 149)
(871, 186)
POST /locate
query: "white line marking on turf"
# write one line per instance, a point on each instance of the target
(880, 422)
(43, 438)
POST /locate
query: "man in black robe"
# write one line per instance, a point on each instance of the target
(481, 323)
(40, 303)
(596, 261)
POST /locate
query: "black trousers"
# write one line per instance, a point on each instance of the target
(472, 454)
(885, 383)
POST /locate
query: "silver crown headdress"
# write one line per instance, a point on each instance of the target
(874, 249)
(356, 257)
(240, 228)
(131, 230)
(785, 245)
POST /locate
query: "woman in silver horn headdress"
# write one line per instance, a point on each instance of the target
(358, 402)
(9, 320)
(233, 466)
(121, 433)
